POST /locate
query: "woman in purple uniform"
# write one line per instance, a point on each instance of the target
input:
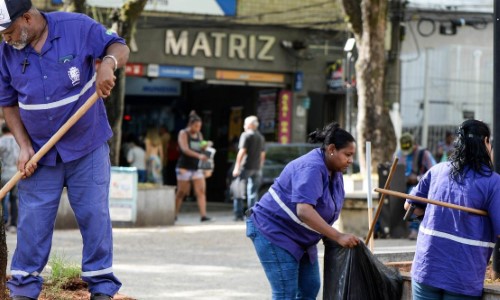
(298, 210)
(453, 246)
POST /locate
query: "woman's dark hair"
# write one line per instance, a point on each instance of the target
(470, 150)
(331, 134)
(193, 117)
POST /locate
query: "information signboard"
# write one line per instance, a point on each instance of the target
(123, 194)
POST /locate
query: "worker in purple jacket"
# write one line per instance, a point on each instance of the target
(47, 72)
(453, 246)
(298, 210)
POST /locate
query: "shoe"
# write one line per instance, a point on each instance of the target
(12, 229)
(100, 297)
(413, 235)
(206, 219)
(21, 298)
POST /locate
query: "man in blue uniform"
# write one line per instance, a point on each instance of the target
(47, 71)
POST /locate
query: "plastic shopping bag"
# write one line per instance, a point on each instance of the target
(238, 188)
(356, 274)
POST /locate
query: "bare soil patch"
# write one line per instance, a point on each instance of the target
(75, 289)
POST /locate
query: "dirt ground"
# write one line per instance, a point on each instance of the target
(74, 290)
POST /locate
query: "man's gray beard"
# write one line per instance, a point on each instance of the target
(23, 42)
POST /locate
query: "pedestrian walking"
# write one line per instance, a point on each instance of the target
(248, 166)
(417, 160)
(154, 156)
(467, 179)
(187, 170)
(298, 210)
(47, 66)
(136, 157)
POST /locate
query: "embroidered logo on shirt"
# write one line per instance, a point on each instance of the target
(74, 75)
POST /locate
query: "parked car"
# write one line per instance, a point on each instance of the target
(277, 156)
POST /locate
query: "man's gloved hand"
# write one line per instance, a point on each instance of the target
(412, 179)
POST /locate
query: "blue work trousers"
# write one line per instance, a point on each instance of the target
(87, 181)
(289, 278)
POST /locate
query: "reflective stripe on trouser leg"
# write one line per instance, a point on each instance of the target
(39, 197)
(88, 190)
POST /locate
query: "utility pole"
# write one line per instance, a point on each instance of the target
(496, 88)
(392, 83)
(496, 114)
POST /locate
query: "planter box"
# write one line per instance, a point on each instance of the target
(490, 291)
(154, 207)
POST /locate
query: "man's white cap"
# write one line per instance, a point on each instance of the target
(10, 10)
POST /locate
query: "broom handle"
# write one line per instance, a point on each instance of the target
(430, 201)
(51, 142)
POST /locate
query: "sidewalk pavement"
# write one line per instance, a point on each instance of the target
(190, 260)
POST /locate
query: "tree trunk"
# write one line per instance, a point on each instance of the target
(124, 22)
(4, 254)
(115, 104)
(367, 19)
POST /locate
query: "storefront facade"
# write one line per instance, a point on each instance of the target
(226, 73)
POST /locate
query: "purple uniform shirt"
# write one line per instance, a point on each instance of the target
(453, 246)
(56, 83)
(304, 180)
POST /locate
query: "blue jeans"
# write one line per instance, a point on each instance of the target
(253, 181)
(289, 278)
(425, 292)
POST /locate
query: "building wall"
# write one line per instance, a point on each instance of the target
(152, 49)
(289, 12)
(455, 74)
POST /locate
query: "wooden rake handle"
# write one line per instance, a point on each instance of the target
(51, 142)
(381, 201)
(430, 201)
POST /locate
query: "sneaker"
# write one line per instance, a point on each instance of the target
(21, 298)
(206, 219)
(100, 297)
(413, 235)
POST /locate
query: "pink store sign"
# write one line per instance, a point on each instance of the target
(284, 117)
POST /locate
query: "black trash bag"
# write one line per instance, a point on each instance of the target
(355, 273)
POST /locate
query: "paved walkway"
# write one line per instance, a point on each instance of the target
(187, 261)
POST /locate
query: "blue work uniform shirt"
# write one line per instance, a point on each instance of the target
(56, 83)
(453, 246)
(304, 180)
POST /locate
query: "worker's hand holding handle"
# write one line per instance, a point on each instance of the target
(409, 212)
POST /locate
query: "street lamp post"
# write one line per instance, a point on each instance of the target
(348, 48)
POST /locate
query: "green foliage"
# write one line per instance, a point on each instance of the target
(63, 272)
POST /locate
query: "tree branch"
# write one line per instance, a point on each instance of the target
(352, 10)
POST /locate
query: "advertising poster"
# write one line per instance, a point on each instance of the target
(284, 117)
(266, 111)
(235, 129)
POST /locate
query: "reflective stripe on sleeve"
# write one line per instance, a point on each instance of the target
(288, 211)
(61, 102)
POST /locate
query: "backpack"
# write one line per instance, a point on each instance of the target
(419, 168)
